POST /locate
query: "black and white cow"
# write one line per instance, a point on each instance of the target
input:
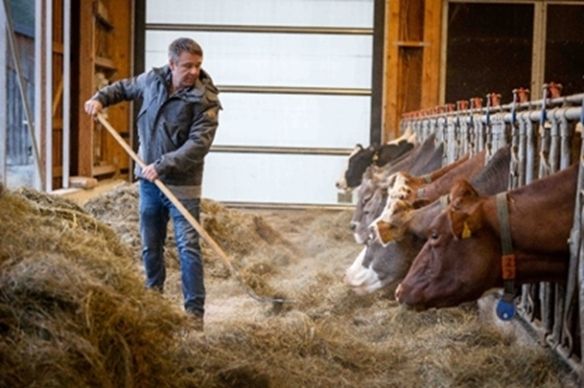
(379, 155)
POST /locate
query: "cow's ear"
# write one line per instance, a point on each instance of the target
(461, 192)
(464, 223)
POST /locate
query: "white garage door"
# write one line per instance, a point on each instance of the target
(295, 81)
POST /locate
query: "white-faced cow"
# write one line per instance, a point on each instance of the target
(463, 255)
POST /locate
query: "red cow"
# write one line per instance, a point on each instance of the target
(462, 257)
(403, 216)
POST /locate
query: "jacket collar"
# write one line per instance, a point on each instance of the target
(203, 83)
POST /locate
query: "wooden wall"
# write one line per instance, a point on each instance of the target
(104, 44)
(412, 70)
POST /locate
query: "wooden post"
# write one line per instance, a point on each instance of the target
(431, 62)
(412, 74)
(86, 84)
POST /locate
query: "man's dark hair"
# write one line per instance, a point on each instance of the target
(180, 45)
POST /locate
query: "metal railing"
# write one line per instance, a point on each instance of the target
(545, 136)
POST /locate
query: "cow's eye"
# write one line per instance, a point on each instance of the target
(434, 235)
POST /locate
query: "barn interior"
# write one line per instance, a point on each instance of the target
(301, 83)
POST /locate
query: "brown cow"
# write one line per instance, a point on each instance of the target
(422, 160)
(462, 257)
(403, 216)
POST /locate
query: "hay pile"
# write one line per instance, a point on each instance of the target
(238, 234)
(73, 312)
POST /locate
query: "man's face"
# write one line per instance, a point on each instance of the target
(185, 70)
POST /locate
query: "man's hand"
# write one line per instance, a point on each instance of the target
(149, 172)
(93, 107)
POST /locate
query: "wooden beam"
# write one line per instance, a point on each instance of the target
(391, 74)
(66, 160)
(376, 128)
(431, 62)
(86, 76)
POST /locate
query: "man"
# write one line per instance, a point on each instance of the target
(176, 126)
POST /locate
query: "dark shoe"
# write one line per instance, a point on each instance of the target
(197, 321)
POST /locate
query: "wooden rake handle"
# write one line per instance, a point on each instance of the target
(185, 213)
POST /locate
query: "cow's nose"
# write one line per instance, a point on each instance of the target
(398, 292)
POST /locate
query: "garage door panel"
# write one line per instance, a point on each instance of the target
(293, 120)
(272, 177)
(259, 59)
(332, 13)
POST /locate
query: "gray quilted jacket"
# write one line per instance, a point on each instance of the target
(175, 132)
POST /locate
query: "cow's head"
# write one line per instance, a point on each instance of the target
(365, 193)
(460, 259)
(371, 210)
(359, 159)
(378, 267)
(391, 225)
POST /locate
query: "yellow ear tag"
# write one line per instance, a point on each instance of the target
(466, 232)
(375, 157)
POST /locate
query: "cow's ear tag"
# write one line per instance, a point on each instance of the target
(466, 232)
(505, 310)
(375, 157)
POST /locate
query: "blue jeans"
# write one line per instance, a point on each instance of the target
(155, 209)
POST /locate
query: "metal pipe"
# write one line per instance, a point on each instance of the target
(240, 28)
(282, 150)
(295, 90)
(48, 85)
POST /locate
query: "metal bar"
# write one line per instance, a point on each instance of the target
(563, 102)
(38, 77)
(294, 90)
(48, 85)
(66, 93)
(28, 112)
(239, 28)
(282, 150)
(571, 113)
(284, 206)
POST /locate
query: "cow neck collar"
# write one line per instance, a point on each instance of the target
(506, 308)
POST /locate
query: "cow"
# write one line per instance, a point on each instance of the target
(423, 159)
(410, 214)
(369, 272)
(414, 189)
(361, 158)
(462, 258)
(408, 238)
